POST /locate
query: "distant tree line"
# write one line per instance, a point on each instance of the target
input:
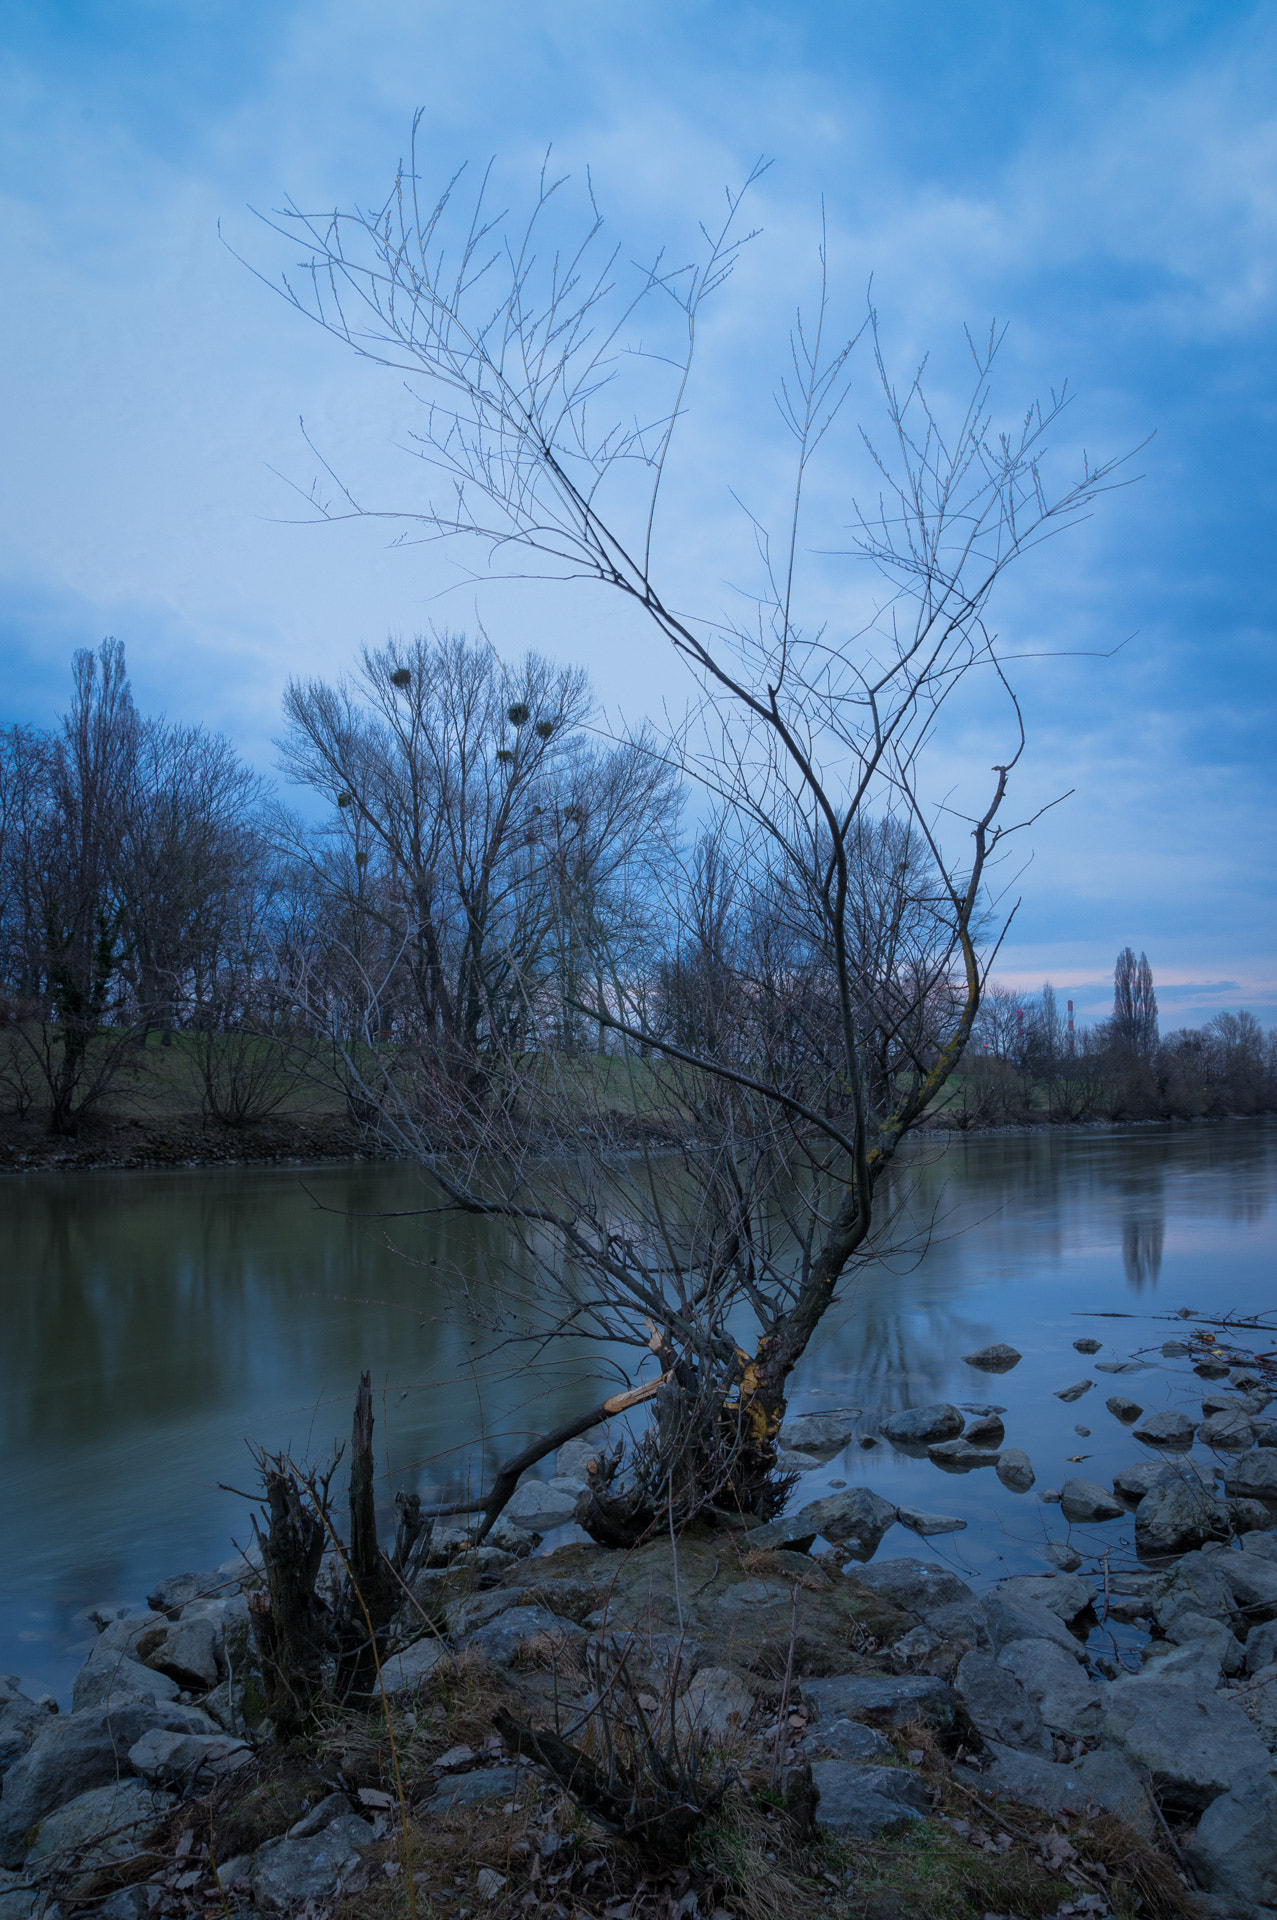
(1027, 1061)
(475, 879)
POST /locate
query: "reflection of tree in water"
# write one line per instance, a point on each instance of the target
(1142, 1239)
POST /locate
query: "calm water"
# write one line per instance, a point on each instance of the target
(151, 1323)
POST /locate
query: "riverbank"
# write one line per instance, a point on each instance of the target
(124, 1142)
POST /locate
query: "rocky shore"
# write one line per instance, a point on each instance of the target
(887, 1734)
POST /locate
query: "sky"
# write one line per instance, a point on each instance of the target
(1099, 178)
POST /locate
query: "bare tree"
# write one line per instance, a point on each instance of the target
(543, 436)
(1134, 1025)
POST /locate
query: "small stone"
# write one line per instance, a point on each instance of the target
(1212, 1369)
(404, 1672)
(1085, 1432)
(716, 1705)
(998, 1358)
(986, 1432)
(1174, 1349)
(1170, 1428)
(960, 1454)
(288, 1872)
(489, 1884)
(1230, 1431)
(470, 1789)
(1074, 1392)
(1253, 1476)
(998, 1707)
(1178, 1514)
(1066, 1558)
(1120, 1366)
(928, 1523)
(1123, 1408)
(819, 1432)
(1245, 1515)
(1050, 1496)
(918, 1426)
(1088, 1345)
(540, 1505)
(1083, 1501)
(1015, 1470)
(981, 1413)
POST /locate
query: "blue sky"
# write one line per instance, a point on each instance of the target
(1103, 178)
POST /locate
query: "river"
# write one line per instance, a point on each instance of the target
(152, 1324)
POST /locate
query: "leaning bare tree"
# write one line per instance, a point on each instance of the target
(804, 1020)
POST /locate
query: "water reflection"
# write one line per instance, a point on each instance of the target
(149, 1322)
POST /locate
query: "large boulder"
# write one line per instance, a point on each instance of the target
(849, 1740)
(1008, 1620)
(190, 1760)
(1067, 1700)
(1083, 1501)
(1170, 1428)
(1101, 1778)
(1253, 1475)
(185, 1650)
(855, 1520)
(21, 1719)
(998, 1707)
(75, 1752)
(288, 1872)
(881, 1700)
(106, 1823)
(1192, 1741)
(1234, 1850)
(1252, 1580)
(110, 1678)
(538, 1505)
(1178, 1515)
(820, 1433)
(1063, 1594)
(404, 1672)
(918, 1426)
(932, 1594)
(1229, 1430)
(858, 1803)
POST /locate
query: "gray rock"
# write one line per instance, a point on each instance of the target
(1120, 1366)
(321, 1815)
(1067, 1700)
(539, 1505)
(501, 1639)
(1261, 1647)
(918, 1586)
(1009, 1620)
(1170, 1428)
(106, 1823)
(1253, 1475)
(918, 1426)
(1063, 1556)
(171, 1595)
(999, 1358)
(1228, 1403)
(1243, 1515)
(126, 1903)
(287, 1872)
(1063, 1594)
(855, 1519)
(1015, 1469)
(1087, 1346)
(1257, 1699)
(1190, 1627)
(998, 1707)
(1265, 1432)
(1252, 1581)
(1234, 1850)
(20, 1721)
(1123, 1408)
(1074, 1392)
(404, 1672)
(850, 1740)
(1261, 1541)
(1231, 1431)
(469, 1789)
(193, 1760)
(926, 1524)
(715, 1704)
(519, 1541)
(1084, 1501)
(789, 1462)
(1134, 1482)
(109, 1677)
(74, 1753)
(1197, 1665)
(1102, 1778)
(819, 1432)
(859, 1802)
(960, 1455)
(185, 1649)
(571, 1460)
(1193, 1742)
(1177, 1515)
(1197, 1584)
(881, 1700)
